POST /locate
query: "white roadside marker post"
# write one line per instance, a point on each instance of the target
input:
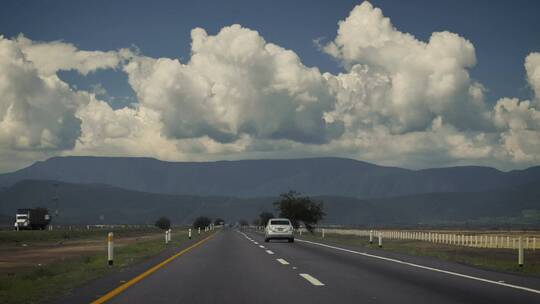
(189, 233)
(520, 252)
(199, 230)
(371, 236)
(110, 248)
(380, 240)
(166, 237)
(323, 233)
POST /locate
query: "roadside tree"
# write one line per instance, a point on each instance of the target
(163, 223)
(264, 217)
(299, 208)
(201, 222)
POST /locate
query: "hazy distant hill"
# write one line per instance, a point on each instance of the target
(83, 203)
(256, 178)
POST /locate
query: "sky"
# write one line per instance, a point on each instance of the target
(414, 84)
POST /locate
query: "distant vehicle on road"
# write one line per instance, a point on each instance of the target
(279, 228)
(37, 218)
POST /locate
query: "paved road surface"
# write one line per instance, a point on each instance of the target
(232, 267)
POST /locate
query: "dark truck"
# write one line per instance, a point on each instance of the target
(37, 218)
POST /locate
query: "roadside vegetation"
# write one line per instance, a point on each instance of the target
(300, 209)
(11, 237)
(163, 223)
(42, 282)
(504, 260)
(263, 218)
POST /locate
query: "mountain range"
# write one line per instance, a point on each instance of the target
(95, 204)
(94, 190)
(256, 178)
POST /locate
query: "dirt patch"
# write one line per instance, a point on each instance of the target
(21, 257)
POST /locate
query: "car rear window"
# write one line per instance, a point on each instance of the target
(279, 222)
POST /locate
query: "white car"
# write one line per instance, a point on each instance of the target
(279, 228)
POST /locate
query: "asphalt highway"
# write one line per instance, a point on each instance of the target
(238, 267)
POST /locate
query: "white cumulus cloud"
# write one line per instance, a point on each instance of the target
(399, 101)
(532, 66)
(423, 79)
(236, 84)
(36, 112)
(50, 57)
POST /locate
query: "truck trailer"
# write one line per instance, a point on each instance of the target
(33, 219)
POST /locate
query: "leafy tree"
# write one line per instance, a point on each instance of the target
(243, 223)
(163, 223)
(219, 221)
(264, 217)
(299, 208)
(201, 222)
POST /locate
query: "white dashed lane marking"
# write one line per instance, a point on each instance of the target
(269, 252)
(537, 291)
(282, 261)
(311, 279)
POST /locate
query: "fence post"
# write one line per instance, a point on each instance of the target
(520, 252)
(110, 248)
(371, 236)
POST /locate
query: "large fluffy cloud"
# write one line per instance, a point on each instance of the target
(36, 112)
(50, 57)
(423, 80)
(532, 66)
(236, 84)
(399, 101)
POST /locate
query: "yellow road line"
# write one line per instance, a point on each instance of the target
(143, 275)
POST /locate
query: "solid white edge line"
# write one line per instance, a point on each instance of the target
(311, 279)
(282, 261)
(425, 267)
(269, 252)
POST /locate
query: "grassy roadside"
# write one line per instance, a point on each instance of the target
(44, 282)
(8, 238)
(504, 260)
